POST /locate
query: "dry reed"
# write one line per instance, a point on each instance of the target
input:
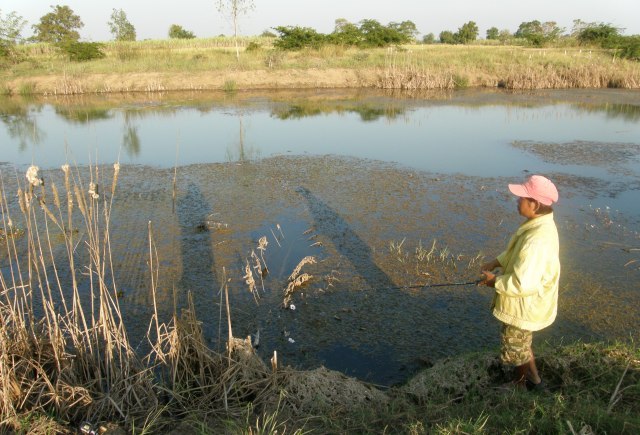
(69, 359)
(297, 280)
(64, 349)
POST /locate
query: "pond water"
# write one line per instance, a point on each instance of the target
(367, 183)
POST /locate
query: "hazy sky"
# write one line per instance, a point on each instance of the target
(152, 18)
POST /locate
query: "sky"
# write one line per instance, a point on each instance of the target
(152, 18)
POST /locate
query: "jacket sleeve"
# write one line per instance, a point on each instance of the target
(529, 267)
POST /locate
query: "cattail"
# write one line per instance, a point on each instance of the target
(33, 177)
(116, 171)
(80, 200)
(67, 186)
(93, 190)
(44, 207)
(56, 197)
(22, 201)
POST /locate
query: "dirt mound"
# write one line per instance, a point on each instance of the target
(322, 392)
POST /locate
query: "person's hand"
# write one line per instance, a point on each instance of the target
(489, 279)
(488, 267)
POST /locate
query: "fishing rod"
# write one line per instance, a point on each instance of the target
(444, 284)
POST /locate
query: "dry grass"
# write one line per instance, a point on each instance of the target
(297, 280)
(505, 67)
(153, 66)
(64, 349)
(59, 353)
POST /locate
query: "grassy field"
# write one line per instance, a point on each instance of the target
(211, 64)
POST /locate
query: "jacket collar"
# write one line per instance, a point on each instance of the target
(534, 223)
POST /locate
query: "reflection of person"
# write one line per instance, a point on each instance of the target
(526, 292)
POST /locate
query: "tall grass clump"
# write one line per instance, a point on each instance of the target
(64, 348)
(229, 86)
(27, 89)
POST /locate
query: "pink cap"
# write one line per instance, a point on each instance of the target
(537, 187)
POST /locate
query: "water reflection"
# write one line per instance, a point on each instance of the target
(83, 115)
(21, 122)
(428, 131)
(367, 113)
(130, 138)
(628, 112)
(239, 151)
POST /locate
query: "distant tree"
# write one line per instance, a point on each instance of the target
(505, 35)
(297, 38)
(10, 32)
(447, 37)
(375, 34)
(604, 35)
(578, 26)
(268, 34)
(346, 33)
(340, 24)
(177, 32)
(493, 33)
(429, 38)
(537, 33)
(120, 27)
(59, 26)
(467, 33)
(234, 9)
(406, 28)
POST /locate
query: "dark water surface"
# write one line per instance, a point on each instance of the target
(368, 184)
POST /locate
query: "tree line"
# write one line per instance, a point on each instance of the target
(61, 25)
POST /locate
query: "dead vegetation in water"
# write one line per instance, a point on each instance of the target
(599, 154)
(433, 264)
(64, 346)
(297, 280)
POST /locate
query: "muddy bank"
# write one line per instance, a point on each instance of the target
(89, 83)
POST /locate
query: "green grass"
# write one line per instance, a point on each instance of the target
(26, 89)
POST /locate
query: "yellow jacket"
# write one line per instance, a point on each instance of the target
(527, 291)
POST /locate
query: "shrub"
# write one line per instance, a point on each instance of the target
(83, 51)
(177, 32)
(253, 46)
(604, 35)
(630, 47)
(297, 38)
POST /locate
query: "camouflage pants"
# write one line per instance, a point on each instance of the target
(516, 345)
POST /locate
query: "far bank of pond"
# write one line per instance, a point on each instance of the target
(157, 66)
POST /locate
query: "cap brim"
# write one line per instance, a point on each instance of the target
(519, 190)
